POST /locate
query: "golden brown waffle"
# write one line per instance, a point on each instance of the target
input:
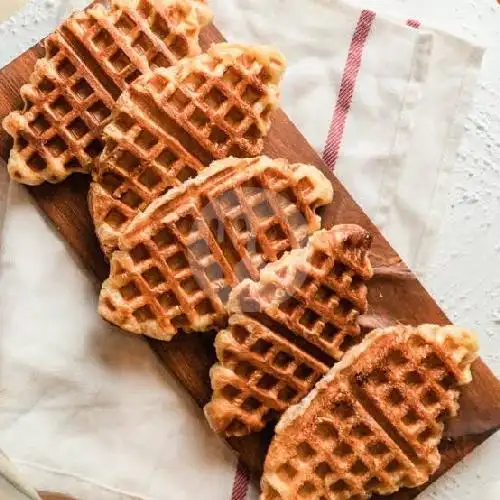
(287, 329)
(179, 258)
(90, 59)
(373, 423)
(173, 123)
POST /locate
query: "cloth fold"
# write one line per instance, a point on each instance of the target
(385, 100)
(88, 410)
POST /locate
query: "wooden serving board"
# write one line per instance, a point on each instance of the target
(394, 293)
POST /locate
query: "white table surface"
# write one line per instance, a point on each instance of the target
(464, 272)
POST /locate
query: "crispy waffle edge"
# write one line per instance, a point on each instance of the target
(320, 240)
(464, 339)
(323, 191)
(100, 201)
(321, 194)
(199, 16)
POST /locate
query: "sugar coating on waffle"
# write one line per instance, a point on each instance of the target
(90, 59)
(288, 328)
(172, 124)
(179, 259)
(373, 424)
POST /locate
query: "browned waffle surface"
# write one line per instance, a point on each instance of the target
(172, 124)
(90, 59)
(373, 423)
(179, 259)
(287, 329)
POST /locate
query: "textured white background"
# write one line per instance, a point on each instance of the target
(464, 272)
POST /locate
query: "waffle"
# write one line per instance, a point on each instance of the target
(286, 330)
(373, 423)
(90, 59)
(172, 124)
(179, 259)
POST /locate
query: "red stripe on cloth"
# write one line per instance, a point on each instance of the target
(241, 482)
(413, 23)
(347, 85)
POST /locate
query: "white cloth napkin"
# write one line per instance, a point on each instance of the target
(88, 410)
(386, 104)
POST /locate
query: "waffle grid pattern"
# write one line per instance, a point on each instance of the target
(172, 124)
(325, 298)
(421, 411)
(139, 163)
(63, 111)
(259, 377)
(315, 297)
(352, 456)
(224, 98)
(130, 42)
(89, 61)
(176, 279)
(197, 249)
(375, 429)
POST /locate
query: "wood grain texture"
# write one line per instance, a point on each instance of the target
(395, 294)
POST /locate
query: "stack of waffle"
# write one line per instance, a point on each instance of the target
(179, 258)
(173, 123)
(89, 61)
(373, 423)
(204, 233)
(286, 330)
